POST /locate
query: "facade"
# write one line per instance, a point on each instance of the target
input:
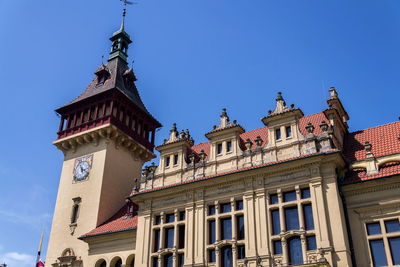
(300, 190)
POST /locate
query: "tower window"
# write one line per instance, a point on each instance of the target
(278, 134)
(219, 148)
(167, 161)
(288, 131)
(75, 211)
(176, 157)
(229, 146)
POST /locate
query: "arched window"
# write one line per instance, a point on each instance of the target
(101, 263)
(226, 256)
(118, 263)
(295, 251)
(130, 261)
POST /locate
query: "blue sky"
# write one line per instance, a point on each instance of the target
(192, 58)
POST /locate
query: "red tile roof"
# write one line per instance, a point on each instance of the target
(360, 175)
(315, 120)
(384, 141)
(123, 220)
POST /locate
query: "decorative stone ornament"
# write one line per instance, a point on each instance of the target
(258, 141)
(248, 144)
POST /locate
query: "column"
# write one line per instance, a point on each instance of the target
(199, 233)
(189, 235)
(261, 224)
(250, 228)
(143, 241)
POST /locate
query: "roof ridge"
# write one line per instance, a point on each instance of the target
(382, 125)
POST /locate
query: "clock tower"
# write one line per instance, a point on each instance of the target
(106, 134)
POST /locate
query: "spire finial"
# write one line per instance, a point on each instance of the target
(126, 2)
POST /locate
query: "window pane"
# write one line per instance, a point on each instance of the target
(276, 223)
(277, 247)
(169, 218)
(273, 199)
(169, 238)
(277, 134)
(176, 159)
(311, 243)
(392, 226)
(289, 196)
(394, 244)
(308, 217)
(241, 252)
(378, 252)
(229, 146)
(181, 236)
(226, 229)
(167, 159)
(211, 210)
(288, 131)
(292, 218)
(226, 257)
(157, 220)
(219, 148)
(239, 204)
(211, 256)
(155, 262)
(156, 240)
(181, 260)
(240, 227)
(373, 228)
(305, 193)
(168, 262)
(211, 232)
(182, 215)
(295, 253)
(226, 207)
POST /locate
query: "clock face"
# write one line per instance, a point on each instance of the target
(82, 168)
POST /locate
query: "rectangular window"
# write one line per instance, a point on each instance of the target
(378, 252)
(155, 262)
(156, 240)
(273, 199)
(169, 218)
(292, 218)
(276, 223)
(226, 207)
(305, 193)
(278, 134)
(229, 146)
(211, 210)
(176, 159)
(308, 217)
(211, 232)
(311, 242)
(182, 215)
(219, 148)
(157, 220)
(181, 260)
(181, 236)
(167, 161)
(373, 228)
(277, 247)
(211, 255)
(288, 131)
(240, 227)
(169, 238)
(226, 229)
(168, 260)
(239, 204)
(241, 252)
(289, 196)
(394, 244)
(392, 226)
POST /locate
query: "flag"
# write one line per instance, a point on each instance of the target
(39, 262)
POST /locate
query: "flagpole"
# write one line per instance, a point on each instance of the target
(40, 248)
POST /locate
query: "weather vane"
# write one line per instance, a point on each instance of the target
(126, 2)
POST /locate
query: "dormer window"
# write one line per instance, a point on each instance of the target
(167, 161)
(288, 131)
(176, 159)
(278, 134)
(229, 146)
(219, 148)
